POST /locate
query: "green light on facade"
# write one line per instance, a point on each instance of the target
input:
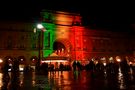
(48, 38)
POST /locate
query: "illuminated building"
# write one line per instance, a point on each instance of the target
(65, 39)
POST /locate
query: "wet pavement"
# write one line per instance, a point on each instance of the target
(68, 80)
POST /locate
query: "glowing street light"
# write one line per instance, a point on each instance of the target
(40, 26)
(41, 29)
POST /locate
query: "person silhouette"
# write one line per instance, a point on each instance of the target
(5, 81)
(5, 67)
(74, 65)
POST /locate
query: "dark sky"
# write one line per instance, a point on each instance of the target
(95, 15)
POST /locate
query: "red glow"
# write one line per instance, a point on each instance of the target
(77, 41)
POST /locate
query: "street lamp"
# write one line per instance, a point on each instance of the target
(41, 29)
(40, 26)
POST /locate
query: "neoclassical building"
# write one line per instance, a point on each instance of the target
(64, 39)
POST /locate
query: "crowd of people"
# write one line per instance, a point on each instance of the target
(110, 67)
(76, 65)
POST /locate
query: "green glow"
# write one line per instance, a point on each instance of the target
(58, 27)
(48, 38)
(48, 16)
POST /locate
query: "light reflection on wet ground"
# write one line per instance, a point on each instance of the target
(67, 80)
(1, 80)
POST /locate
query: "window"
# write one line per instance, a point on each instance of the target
(93, 49)
(48, 17)
(9, 43)
(34, 46)
(22, 46)
(85, 48)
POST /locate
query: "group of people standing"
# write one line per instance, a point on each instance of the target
(110, 67)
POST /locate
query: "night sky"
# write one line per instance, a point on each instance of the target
(96, 15)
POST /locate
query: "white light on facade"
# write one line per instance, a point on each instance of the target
(34, 30)
(21, 69)
(104, 64)
(54, 61)
(111, 58)
(118, 60)
(21, 59)
(1, 60)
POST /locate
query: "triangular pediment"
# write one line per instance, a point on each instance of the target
(53, 55)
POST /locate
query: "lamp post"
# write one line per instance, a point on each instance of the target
(41, 29)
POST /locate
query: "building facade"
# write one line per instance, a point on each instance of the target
(64, 37)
